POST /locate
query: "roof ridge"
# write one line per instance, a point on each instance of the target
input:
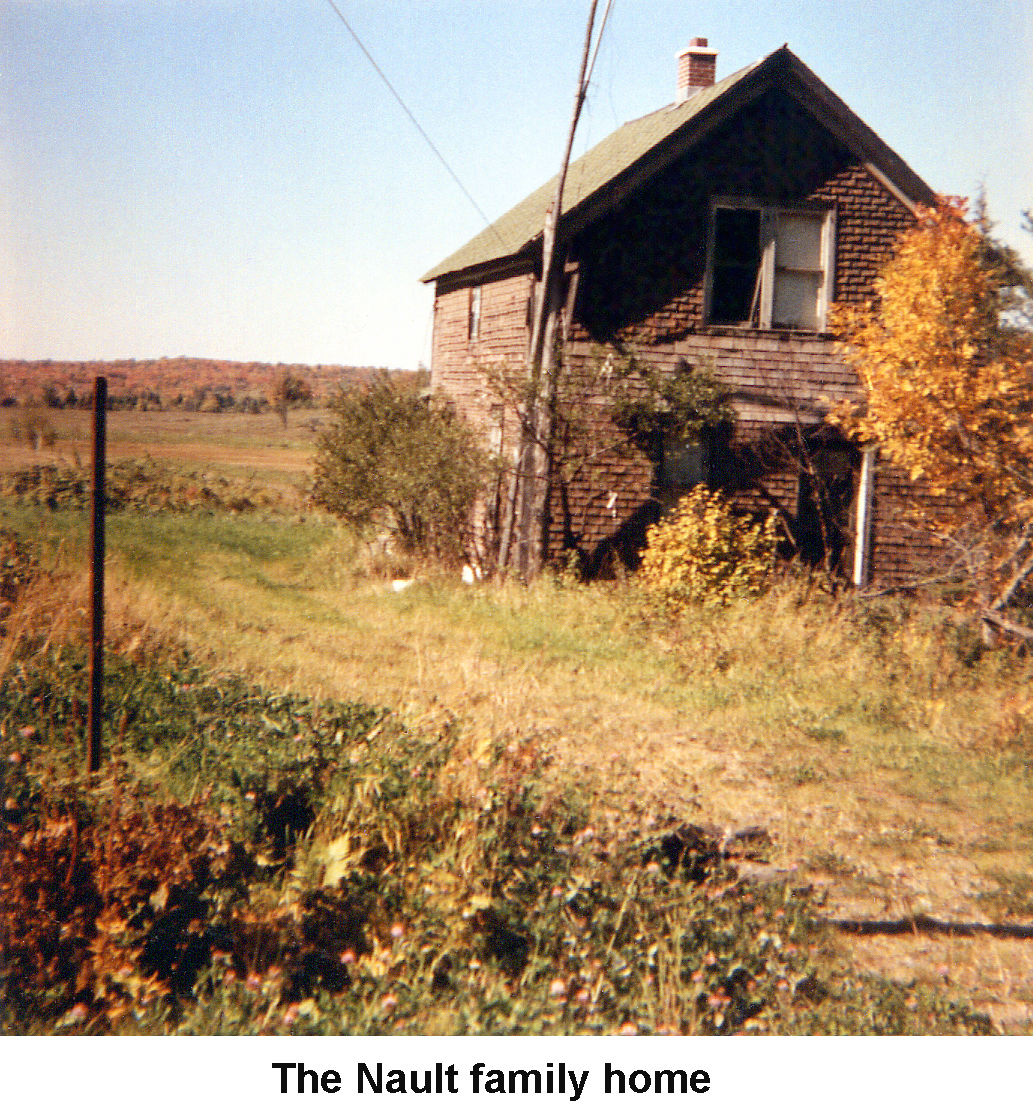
(625, 147)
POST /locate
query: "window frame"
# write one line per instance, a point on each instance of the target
(763, 303)
(473, 313)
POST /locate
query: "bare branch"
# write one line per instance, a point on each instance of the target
(1008, 626)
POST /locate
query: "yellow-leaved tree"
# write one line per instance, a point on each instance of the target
(946, 363)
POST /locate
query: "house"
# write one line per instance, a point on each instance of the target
(715, 232)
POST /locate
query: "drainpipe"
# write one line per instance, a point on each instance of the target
(862, 540)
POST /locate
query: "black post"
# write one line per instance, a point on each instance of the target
(100, 406)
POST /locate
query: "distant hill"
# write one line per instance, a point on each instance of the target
(169, 382)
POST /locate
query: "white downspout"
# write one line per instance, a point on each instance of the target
(862, 539)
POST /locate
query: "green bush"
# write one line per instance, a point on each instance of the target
(704, 553)
(394, 459)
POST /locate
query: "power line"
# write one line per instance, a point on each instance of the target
(591, 68)
(416, 123)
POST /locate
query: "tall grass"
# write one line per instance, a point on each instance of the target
(885, 749)
(253, 860)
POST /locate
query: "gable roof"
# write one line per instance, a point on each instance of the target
(606, 173)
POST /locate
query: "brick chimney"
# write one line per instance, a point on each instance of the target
(696, 66)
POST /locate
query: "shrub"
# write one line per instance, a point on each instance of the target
(34, 427)
(394, 459)
(703, 552)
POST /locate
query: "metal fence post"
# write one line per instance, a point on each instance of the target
(100, 405)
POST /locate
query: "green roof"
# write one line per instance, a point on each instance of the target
(514, 233)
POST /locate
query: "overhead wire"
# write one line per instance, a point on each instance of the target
(416, 123)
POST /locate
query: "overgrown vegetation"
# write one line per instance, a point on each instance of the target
(568, 744)
(397, 459)
(653, 408)
(142, 485)
(704, 553)
(252, 861)
(948, 377)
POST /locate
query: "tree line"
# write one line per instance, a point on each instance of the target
(189, 383)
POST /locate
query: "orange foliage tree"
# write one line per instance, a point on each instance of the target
(948, 379)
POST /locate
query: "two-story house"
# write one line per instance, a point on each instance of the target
(717, 230)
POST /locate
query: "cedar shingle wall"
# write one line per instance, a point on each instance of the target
(642, 282)
(644, 264)
(900, 551)
(459, 361)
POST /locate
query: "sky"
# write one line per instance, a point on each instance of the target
(232, 179)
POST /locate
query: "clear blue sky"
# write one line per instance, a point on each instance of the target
(230, 178)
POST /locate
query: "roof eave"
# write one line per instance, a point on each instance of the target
(652, 162)
(877, 157)
(527, 258)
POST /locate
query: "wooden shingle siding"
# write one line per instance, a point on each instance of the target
(458, 361)
(644, 266)
(901, 552)
(642, 276)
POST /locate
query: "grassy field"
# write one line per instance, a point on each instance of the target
(237, 445)
(887, 756)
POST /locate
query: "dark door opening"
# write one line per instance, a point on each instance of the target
(824, 506)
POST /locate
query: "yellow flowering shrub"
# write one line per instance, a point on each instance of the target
(704, 553)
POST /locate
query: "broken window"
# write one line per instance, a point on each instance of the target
(736, 269)
(770, 268)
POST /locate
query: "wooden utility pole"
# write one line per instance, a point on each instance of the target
(100, 405)
(529, 511)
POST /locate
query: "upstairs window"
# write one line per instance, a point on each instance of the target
(736, 271)
(769, 267)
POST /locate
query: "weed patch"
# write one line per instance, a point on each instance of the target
(252, 861)
(141, 485)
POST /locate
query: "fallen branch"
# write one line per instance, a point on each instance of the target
(1017, 579)
(913, 925)
(1012, 627)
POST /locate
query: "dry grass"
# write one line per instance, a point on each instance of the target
(885, 789)
(891, 762)
(235, 444)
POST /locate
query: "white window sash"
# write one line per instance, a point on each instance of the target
(762, 306)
